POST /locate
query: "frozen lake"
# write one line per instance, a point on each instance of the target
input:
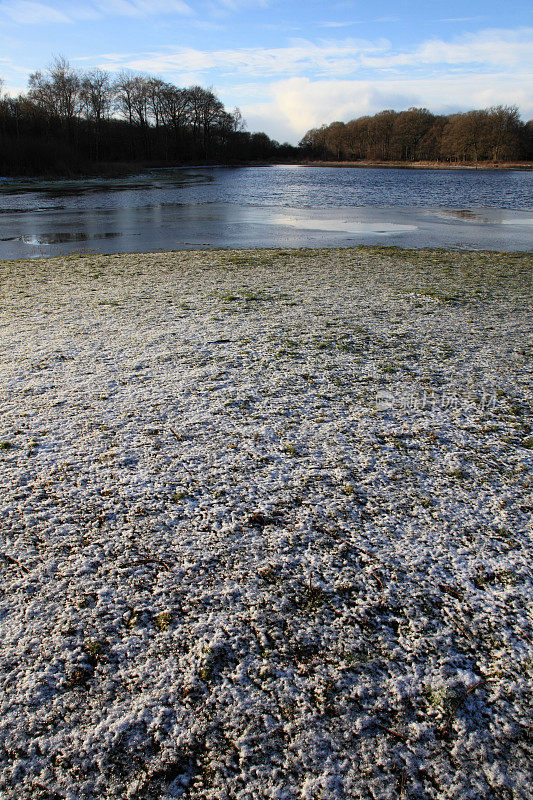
(279, 206)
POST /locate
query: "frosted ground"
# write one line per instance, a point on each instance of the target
(265, 526)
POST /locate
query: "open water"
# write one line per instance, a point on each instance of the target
(278, 206)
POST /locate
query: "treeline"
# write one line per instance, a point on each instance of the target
(70, 121)
(494, 134)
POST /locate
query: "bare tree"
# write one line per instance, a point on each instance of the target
(207, 111)
(70, 119)
(314, 141)
(380, 133)
(155, 88)
(359, 137)
(58, 91)
(174, 106)
(504, 132)
(239, 123)
(96, 94)
(42, 94)
(408, 131)
(124, 91)
(335, 139)
(465, 137)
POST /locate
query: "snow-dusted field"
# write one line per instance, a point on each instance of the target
(264, 526)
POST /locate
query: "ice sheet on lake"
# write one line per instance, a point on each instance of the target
(338, 225)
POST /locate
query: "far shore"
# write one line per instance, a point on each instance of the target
(487, 165)
(123, 169)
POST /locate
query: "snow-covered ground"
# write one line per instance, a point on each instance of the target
(264, 526)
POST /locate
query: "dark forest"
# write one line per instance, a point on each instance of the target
(71, 123)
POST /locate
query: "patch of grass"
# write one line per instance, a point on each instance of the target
(441, 699)
(96, 651)
(508, 538)
(256, 297)
(447, 351)
(163, 620)
(269, 574)
(357, 656)
(180, 494)
(458, 473)
(213, 659)
(246, 296)
(78, 677)
(239, 261)
(311, 597)
(290, 449)
(6, 445)
(396, 441)
(284, 353)
(507, 577)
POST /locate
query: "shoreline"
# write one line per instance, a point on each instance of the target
(265, 527)
(387, 251)
(407, 254)
(120, 169)
(482, 165)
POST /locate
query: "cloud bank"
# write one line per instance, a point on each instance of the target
(489, 48)
(297, 104)
(287, 90)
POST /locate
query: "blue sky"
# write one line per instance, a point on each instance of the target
(290, 65)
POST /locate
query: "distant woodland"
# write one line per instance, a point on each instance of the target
(493, 134)
(71, 122)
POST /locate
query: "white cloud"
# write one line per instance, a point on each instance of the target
(340, 24)
(337, 59)
(286, 90)
(293, 106)
(236, 5)
(223, 9)
(35, 13)
(300, 56)
(493, 47)
(459, 19)
(14, 68)
(141, 8)
(28, 12)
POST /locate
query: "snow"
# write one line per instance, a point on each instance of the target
(265, 525)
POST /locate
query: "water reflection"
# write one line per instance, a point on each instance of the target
(60, 238)
(464, 214)
(153, 179)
